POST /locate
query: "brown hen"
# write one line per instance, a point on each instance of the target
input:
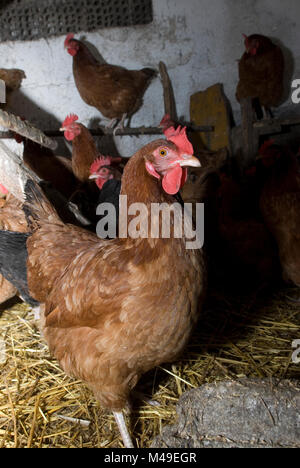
(48, 166)
(280, 205)
(115, 91)
(261, 72)
(13, 79)
(84, 150)
(249, 252)
(115, 309)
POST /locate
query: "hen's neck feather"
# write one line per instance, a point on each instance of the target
(139, 186)
(84, 55)
(84, 152)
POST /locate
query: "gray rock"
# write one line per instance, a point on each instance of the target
(244, 413)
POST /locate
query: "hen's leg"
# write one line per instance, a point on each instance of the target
(111, 123)
(120, 125)
(123, 429)
(267, 113)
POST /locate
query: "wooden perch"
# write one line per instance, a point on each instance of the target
(169, 98)
(128, 131)
(26, 129)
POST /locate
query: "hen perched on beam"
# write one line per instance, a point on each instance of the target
(261, 73)
(115, 91)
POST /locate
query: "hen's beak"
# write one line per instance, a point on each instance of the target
(62, 129)
(188, 160)
(93, 176)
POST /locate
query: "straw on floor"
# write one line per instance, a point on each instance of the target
(41, 407)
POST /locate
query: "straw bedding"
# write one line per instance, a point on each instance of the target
(40, 406)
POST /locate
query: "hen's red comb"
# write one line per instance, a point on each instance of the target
(69, 37)
(169, 132)
(69, 120)
(180, 139)
(247, 44)
(102, 161)
(3, 189)
(165, 120)
(266, 145)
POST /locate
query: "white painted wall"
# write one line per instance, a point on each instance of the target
(199, 40)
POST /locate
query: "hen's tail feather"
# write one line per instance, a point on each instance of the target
(13, 262)
(150, 72)
(37, 208)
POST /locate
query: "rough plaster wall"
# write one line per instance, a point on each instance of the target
(199, 40)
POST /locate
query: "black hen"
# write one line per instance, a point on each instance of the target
(13, 262)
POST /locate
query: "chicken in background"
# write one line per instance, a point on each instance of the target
(48, 166)
(107, 176)
(105, 168)
(85, 156)
(84, 150)
(248, 251)
(200, 181)
(112, 311)
(13, 79)
(261, 73)
(166, 123)
(280, 204)
(115, 91)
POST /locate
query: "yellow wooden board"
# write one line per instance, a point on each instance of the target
(210, 107)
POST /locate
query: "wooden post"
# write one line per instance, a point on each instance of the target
(169, 98)
(26, 129)
(250, 136)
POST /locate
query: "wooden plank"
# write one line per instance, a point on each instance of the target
(26, 129)
(210, 108)
(169, 98)
(126, 132)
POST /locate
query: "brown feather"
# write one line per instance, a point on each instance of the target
(112, 310)
(280, 207)
(84, 152)
(112, 89)
(261, 76)
(49, 167)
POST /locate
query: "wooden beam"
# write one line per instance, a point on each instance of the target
(26, 129)
(169, 98)
(128, 131)
(250, 136)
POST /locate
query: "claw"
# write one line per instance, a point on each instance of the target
(120, 125)
(111, 123)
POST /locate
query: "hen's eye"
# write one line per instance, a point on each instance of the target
(163, 152)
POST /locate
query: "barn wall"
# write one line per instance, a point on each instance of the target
(199, 40)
